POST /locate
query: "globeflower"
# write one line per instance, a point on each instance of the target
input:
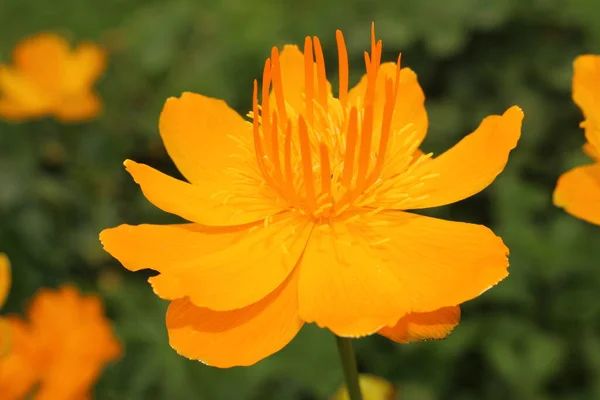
(5, 279)
(299, 215)
(59, 351)
(578, 191)
(49, 78)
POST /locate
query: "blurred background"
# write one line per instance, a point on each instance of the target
(534, 336)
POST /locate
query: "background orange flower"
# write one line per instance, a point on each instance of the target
(578, 191)
(49, 78)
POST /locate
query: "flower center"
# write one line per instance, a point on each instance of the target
(326, 155)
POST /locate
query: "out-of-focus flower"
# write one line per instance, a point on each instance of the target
(372, 388)
(5, 280)
(20, 366)
(578, 191)
(64, 345)
(49, 78)
(299, 216)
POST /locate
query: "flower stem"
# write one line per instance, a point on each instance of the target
(348, 360)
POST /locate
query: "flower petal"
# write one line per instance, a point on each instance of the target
(81, 107)
(240, 337)
(409, 120)
(19, 368)
(586, 94)
(578, 192)
(204, 137)
(415, 327)
(42, 59)
(86, 64)
(5, 278)
(19, 97)
(206, 203)
(464, 170)
(221, 269)
(364, 273)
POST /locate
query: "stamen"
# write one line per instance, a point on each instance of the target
(278, 84)
(350, 148)
(343, 68)
(325, 170)
(309, 80)
(321, 76)
(388, 111)
(256, 132)
(306, 163)
(266, 86)
(275, 149)
(365, 146)
(287, 161)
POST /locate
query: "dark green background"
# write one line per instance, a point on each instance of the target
(535, 336)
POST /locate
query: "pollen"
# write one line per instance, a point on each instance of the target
(329, 156)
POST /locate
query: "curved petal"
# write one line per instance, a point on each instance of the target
(578, 192)
(205, 137)
(586, 94)
(364, 273)
(5, 278)
(19, 97)
(19, 368)
(207, 203)
(409, 120)
(415, 327)
(81, 107)
(239, 337)
(42, 59)
(221, 269)
(464, 170)
(86, 64)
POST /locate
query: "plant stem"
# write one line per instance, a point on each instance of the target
(348, 360)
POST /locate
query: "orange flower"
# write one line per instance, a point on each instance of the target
(63, 347)
(300, 215)
(578, 191)
(48, 78)
(5, 279)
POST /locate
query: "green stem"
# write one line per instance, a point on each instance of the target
(348, 360)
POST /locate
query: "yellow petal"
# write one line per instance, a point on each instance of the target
(85, 65)
(20, 98)
(221, 269)
(467, 168)
(205, 203)
(409, 121)
(204, 137)
(358, 276)
(19, 369)
(578, 192)
(372, 388)
(416, 327)
(5, 278)
(236, 338)
(42, 59)
(78, 108)
(586, 94)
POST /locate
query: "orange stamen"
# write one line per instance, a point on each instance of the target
(351, 140)
(325, 170)
(287, 162)
(306, 163)
(309, 81)
(277, 84)
(266, 86)
(343, 67)
(275, 149)
(256, 132)
(321, 76)
(365, 146)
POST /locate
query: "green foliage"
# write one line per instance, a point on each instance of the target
(535, 336)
